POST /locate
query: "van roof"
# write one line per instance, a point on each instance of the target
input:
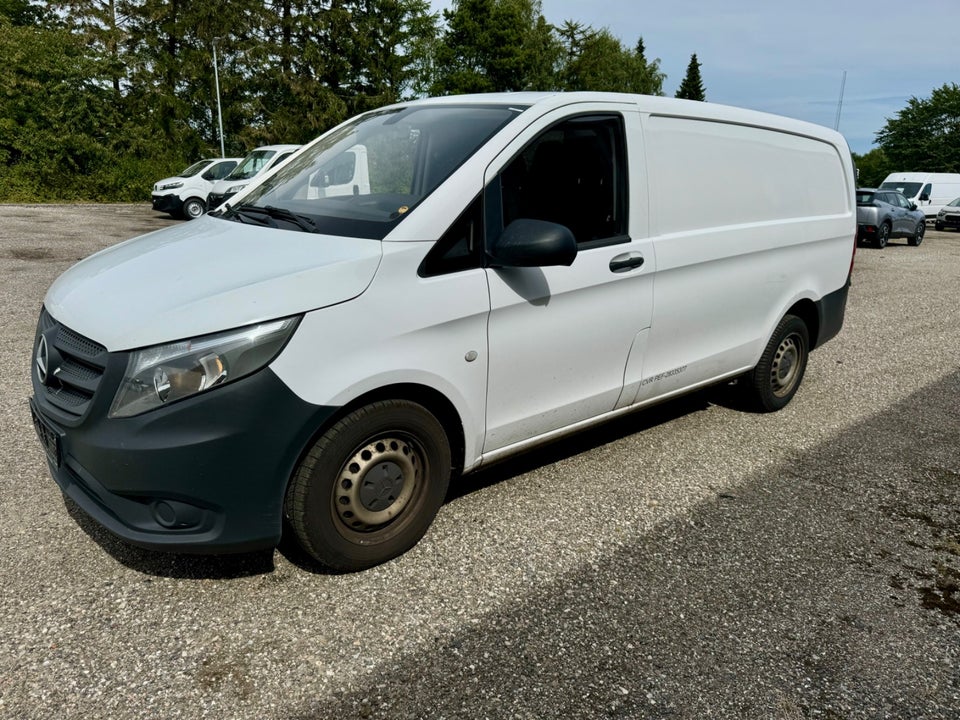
(276, 148)
(654, 105)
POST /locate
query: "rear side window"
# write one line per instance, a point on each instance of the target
(864, 198)
(573, 174)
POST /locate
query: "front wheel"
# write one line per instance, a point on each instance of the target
(938, 226)
(369, 488)
(917, 236)
(193, 208)
(776, 378)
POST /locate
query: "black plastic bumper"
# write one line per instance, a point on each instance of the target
(207, 474)
(831, 310)
(171, 204)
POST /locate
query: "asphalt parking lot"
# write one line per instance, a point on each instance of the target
(690, 561)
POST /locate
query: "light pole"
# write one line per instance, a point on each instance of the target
(216, 80)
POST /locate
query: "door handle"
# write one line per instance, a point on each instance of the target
(626, 262)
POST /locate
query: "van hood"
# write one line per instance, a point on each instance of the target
(206, 276)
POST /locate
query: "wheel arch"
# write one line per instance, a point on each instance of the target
(430, 398)
(806, 310)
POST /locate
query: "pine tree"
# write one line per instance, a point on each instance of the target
(692, 86)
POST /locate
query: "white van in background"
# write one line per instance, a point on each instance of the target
(345, 338)
(185, 195)
(929, 191)
(256, 163)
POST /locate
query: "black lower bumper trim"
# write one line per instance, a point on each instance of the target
(204, 475)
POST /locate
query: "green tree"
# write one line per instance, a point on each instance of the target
(596, 60)
(925, 135)
(170, 56)
(101, 25)
(692, 86)
(21, 12)
(494, 46)
(57, 119)
(872, 168)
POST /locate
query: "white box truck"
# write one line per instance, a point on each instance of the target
(514, 268)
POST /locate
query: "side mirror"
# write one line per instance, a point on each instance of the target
(913, 206)
(533, 243)
(924, 197)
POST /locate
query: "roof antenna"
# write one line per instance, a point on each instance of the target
(843, 84)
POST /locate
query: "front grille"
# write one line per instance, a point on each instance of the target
(75, 366)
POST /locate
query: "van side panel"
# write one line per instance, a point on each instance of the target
(746, 221)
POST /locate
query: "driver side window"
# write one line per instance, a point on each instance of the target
(573, 174)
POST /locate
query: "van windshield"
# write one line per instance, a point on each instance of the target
(194, 169)
(362, 179)
(909, 189)
(251, 165)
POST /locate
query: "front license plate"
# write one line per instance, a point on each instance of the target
(49, 438)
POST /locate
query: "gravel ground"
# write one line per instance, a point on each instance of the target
(689, 561)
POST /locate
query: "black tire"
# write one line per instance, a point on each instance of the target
(883, 234)
(938, 226)
(194, 208)
(776, 378)
(917, 236)
(370, 487)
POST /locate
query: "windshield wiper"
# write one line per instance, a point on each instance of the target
(244, 215)
(278, 213)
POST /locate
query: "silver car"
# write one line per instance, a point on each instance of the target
(885, 214)
(949, 217)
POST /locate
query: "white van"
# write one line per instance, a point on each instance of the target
(185, 195)
(513, 268)
(259, 161)
(928, 191)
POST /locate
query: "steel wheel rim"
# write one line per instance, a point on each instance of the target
(194, 209)
(785, 368)
(378, 482)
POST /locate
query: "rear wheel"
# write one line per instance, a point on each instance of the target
(369, 488)
(776, 378)
(883, 234)
(917, 236)
(193, 208)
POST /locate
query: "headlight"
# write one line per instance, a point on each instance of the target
(942, 213)
(162, 374)
(170, 186)
(233, 189)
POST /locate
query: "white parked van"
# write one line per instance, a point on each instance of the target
(928, 191)
(185, 195)
(504, 270)
(259, 161)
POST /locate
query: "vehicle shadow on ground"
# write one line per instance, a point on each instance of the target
(826, 586)
(171, 565)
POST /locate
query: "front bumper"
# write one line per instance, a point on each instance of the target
(949, 221)
(216, 199)
(206, 474)
(170, 203)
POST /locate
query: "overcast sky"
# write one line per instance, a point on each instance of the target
(788, 57)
